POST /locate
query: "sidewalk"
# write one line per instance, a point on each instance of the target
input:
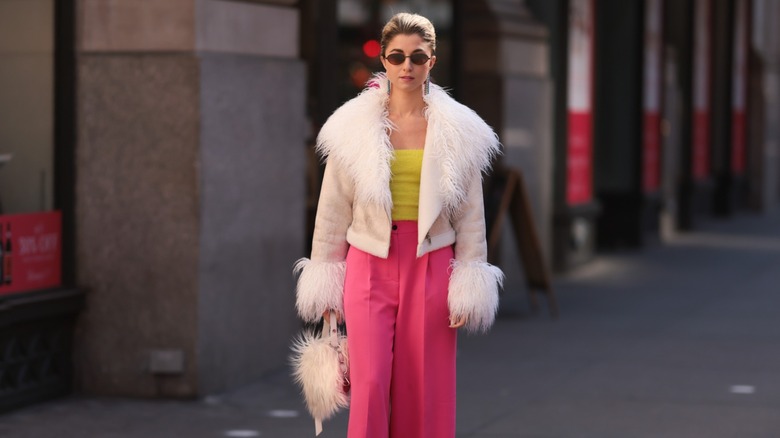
(677, 340)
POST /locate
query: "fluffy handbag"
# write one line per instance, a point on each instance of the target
(320, 364)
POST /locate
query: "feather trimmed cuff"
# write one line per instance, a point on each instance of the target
(320, 288)
(473, 293)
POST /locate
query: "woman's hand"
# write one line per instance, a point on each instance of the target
(326, 315)
(459, 322)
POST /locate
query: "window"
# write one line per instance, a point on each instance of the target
(26, 106)
(30, 229)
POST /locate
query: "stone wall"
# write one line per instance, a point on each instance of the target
(190, 191)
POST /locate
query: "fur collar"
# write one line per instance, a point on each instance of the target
(357, 135)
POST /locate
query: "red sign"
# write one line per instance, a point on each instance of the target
(738, 139)
(579, 172)
(739, 88)
(651, 138)
(701, 141)
(700, 154)
(31, 251)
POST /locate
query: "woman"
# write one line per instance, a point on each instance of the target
(399, 244)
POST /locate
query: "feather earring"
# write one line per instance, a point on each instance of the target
(388, 87)
(427, 88)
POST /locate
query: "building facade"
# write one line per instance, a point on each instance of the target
(158, 177)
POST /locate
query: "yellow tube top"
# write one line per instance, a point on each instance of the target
(405, 183)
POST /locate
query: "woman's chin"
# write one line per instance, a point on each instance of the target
(408, 87)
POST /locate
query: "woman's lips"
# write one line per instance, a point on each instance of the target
(407, 78)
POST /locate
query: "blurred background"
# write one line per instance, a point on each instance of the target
(158, 179)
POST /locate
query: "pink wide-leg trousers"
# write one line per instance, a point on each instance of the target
(402, 352)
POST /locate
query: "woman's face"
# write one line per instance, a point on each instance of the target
(407, 76)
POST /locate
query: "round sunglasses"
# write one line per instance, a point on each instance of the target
(399, 58)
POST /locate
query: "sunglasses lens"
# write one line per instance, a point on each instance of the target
(396, 58)
(419, 58)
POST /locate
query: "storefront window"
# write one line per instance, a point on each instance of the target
(30, 228)
(26, 106)
(360, 26)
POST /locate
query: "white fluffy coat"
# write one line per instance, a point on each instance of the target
(356, 203)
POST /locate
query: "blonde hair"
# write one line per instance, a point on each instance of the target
(409, 24)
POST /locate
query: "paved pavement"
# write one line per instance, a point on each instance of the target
(678, 340)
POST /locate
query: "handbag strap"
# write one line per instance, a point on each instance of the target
(331, 326)
(334, 331)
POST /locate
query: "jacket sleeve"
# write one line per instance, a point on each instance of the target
(474, 283)
(321, 278)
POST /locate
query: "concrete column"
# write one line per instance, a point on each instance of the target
(507, 81)
(628, 216)
(729, 188)
(189, 203)
(573, 226)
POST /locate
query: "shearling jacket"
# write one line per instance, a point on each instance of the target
(355, 203)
